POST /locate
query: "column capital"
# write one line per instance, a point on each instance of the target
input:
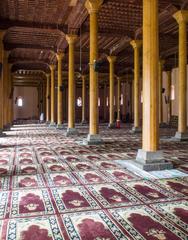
(181, 16)
(52, 67)
(111, 59)
(71, 38)
(136, 43)
(119, 78)
(84, 77)
(93, 6)
(60, 56)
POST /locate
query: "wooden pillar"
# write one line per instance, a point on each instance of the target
(104, 102)
(161, 64)
(93, 9)
(52, 120)
(182, 18)
(118, 99)
(83, 99)
(60, 56)
(47, 98)
(136, 44)
(5, 88)
(10, 95)
(149, 157)
(111, 60)
(169, 83)
(71, 39)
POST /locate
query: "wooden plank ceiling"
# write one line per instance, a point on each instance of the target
(35, 31)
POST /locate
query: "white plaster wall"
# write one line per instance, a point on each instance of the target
(175, 101)
(30, 102)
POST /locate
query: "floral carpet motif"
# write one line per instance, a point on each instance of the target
(144, 223)
(92, 226)
(147, 191)
(176, 212)
(75, 198)
(41, 228)
(54, 188)
(112, 195)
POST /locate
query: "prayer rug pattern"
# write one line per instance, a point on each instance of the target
(54, 188)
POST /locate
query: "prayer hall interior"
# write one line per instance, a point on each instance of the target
(93, 120)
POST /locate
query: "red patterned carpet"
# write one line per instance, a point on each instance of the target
(53, 188)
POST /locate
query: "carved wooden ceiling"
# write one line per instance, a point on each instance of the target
(35, 31)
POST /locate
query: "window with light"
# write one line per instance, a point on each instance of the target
(20, 102)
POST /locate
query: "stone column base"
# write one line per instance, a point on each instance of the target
(136, 130)
(180, 136)
(83, 122)
(151, 161)
(2, 134)
(93, 139)
(71, 132)
(52, 124)
(111, 125)
(60, 126)
(7, 127)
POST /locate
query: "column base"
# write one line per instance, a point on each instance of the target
(93, 139)
(181, 136)
(83, 122)
(136, 130)
(52, 124)
(60, 126)
(71, 132)
(2, 134)
(7, 127)
(151, 161)
(111, 125)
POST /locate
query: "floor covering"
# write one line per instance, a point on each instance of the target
(54, 188)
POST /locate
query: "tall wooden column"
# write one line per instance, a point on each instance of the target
(161, 64)
(136, 44)
(60, 56)
(111, 60)
(182, 18)
(83, 99)
(104, 102)
(118, 101)
(52, 120)
(10, 97)
(47, 98)
(71, 39)
(149, 158)
(5, 89)
(1, 83)
(169, 83)
(93, 136)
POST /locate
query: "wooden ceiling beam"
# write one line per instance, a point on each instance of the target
(7, 23)
(9, 46)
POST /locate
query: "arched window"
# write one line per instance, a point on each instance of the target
(121, 100)
(79, 102)
(99, 102)
(20, 102)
